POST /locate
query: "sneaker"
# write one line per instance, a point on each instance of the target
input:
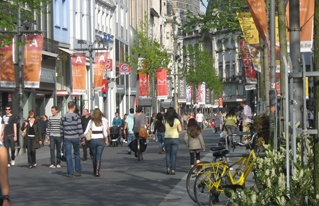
(163, 149)
(129, 153)
(52, 166)
(173, 172)
(70, 175)
(78, 174)
(13, 162)
(9, 165)
(58, 166)
(84, 159)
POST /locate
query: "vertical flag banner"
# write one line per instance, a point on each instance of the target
(99, 70)
(251, 35)
(161, 79)
(109, 65)
(189, 95)
(207, 97)
(79, 73)
(258, 12)
(221, 103)
(143, 85)
(32, 61)
(251, 74)
(182, 90)
(201, 93)
(124, 69)
(307, 9)
(7, 78)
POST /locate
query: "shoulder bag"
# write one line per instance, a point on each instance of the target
(88, 135)
(24, 132)
(143, 132)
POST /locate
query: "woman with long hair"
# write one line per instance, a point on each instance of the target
(173, 127)
(159, 132)
(33, 138)
(194, 140)
(98, 125)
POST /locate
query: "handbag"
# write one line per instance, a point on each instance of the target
(143, 132)
(89, 134)
(24, 132)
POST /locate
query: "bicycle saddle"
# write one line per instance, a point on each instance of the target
(216, 148)
(220, 153)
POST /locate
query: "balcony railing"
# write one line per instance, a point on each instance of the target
(50, 45)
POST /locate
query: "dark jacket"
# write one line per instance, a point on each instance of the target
(37, 137)
(84, 122)
(159, 126)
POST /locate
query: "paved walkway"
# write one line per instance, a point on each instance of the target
(178, 195)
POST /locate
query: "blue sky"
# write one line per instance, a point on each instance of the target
(202, 8)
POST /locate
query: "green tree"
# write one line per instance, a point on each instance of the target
(153, 54)
(9, 15)
(198, 67)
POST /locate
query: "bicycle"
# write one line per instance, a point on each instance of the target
(213, 178)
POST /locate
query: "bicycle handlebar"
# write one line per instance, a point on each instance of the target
(249, 143)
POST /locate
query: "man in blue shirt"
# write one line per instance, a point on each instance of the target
(129, 125)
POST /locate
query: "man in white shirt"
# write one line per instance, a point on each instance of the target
(200, 118)
(247, 120)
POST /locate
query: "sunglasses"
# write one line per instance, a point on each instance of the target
(8, 109)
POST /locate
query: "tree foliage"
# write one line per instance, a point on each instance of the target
(198, 67)
(9, 15)
(153, 54)
(221, 17)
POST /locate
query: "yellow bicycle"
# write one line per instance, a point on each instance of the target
(213, 178)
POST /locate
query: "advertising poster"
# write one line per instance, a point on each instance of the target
(251, 74)
(79, 73)
(32, 61)
(99, 70)
(7, 78)
(201, 93)
(161, 80)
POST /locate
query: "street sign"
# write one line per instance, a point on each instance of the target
(107, 37)
(105, 95)
(108, 65)
(124, 69)
(104, 85)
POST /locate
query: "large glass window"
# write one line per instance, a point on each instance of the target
(240, 89)
(226, 90)
(233, 89)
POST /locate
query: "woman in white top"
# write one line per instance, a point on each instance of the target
(98, 125)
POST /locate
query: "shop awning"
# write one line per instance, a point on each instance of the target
(66, 50)
(61, 93)
(50, 54)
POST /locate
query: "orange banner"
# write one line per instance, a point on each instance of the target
(307, 9)
(32, 61)
(161, 77)
(100, 65)
(79, 73)
(7, 78)
(258, 12)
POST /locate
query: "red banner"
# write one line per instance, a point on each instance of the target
(161, 75)
(32, 61)
(79, 73)
(258, 12)
(221, 103)
(7, 78)
(124, 69)
(109, 65)
(251, 74)
(144, 83)
(100, 64)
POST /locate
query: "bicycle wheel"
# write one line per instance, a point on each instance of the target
(190, 179)
(203, 182)
(214, 195)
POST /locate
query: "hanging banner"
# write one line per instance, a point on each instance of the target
(99, 69)
(182, 90)
(7, 78)
(258, 12)
(221, 103)
(189, 95)
(161, 80)
(307, 9)
(251, 35)
(124, 69)
(207, 97)
(201, 93)
(109, 65)
(143, 85)
(32, 61)
(79, 73)
(251, 74)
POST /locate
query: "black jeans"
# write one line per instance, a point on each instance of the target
(55, 144)
(85, 147)
(31, 152)
(8, 142)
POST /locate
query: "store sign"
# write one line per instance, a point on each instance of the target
(182, 90)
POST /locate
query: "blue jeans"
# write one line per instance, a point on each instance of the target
(130, 137)
(213, 130)
(97, 147)
(171, 146)
(68, 148)
(200, 125)
(160, 137)
(55, 143)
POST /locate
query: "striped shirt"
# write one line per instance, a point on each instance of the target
(54, 126)
(71, 126)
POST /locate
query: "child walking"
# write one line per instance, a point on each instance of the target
(213, 126)
(194, 141)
